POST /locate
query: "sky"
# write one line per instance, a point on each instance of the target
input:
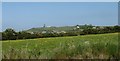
(26, 15)
(60, 0)
(0, 16)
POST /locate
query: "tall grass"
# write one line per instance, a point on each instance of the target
(101, 46)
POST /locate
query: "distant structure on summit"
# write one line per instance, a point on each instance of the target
(77, 26)
(44, 26)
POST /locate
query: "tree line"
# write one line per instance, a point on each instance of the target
(11, 34)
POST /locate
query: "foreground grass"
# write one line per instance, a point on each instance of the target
(100, 46)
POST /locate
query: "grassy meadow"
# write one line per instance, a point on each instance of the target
(97, 46)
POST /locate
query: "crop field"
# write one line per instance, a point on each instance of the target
(98, 46)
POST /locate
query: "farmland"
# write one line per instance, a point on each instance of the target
(97, 46)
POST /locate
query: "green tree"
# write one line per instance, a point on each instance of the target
(9, 34)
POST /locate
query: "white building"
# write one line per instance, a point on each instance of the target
(44, 31)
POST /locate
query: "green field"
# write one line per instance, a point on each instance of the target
(102, 46)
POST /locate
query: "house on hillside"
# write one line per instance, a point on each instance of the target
(81, 29)
(31, 32)
(44, 32)
(101, 27)
(76, 27)
(94, 27)
(63, 32)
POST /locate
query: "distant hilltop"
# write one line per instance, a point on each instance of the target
(62, 28)
(51, 28)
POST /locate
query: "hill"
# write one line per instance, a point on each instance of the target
(64, 28)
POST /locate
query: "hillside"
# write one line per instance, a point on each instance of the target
(64, 28)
